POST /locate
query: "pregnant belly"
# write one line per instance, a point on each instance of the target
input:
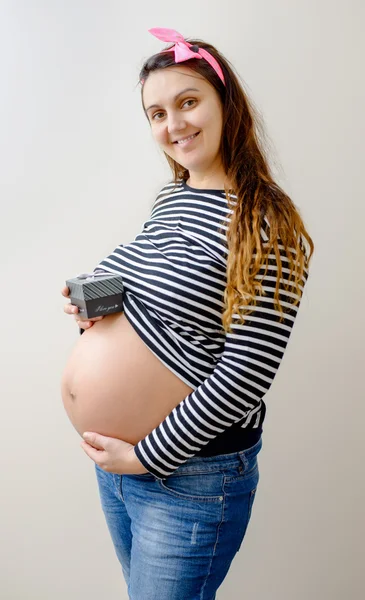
(114, 385)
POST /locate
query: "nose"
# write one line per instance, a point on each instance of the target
(175, 124)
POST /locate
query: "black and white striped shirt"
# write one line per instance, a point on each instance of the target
(174, 276)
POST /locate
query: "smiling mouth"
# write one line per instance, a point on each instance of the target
(188, 139)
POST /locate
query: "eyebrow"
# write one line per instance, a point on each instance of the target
(175, 97)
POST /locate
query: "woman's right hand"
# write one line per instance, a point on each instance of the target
(71, 309)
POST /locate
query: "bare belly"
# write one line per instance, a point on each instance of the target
(114, 385)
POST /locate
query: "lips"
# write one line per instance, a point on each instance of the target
(188, 136)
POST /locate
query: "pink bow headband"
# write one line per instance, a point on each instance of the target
(184, 50)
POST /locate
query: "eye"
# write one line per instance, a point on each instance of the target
(160, 113)
(189, 101)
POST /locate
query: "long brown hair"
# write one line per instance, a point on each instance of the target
(260, 201)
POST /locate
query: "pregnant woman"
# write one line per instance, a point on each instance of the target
(171, 390)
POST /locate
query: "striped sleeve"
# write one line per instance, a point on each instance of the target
(233, 392)
(100, 269)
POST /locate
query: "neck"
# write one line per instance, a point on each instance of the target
(214, 182)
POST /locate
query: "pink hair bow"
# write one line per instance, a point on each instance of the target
(184, 50)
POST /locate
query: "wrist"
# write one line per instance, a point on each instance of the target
(138, 467)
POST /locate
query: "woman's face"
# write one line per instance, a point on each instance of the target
(175, 113)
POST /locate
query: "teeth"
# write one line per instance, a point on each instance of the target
(186, 139)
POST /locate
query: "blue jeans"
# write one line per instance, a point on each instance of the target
(176, 538)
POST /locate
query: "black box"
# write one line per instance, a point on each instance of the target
(96, 294)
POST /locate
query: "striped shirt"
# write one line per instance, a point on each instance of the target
(174, 275)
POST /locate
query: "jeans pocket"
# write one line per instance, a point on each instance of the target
(247, 471)
(201, 487)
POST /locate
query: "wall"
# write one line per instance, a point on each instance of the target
(74, 144)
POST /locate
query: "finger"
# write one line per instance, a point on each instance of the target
(83, 324)
(71, 309)
(65, 291)
(87, 323)
(95, 439)
(95, 446)
(93, 453)
(92, 320)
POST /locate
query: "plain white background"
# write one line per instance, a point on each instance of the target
(79, 173)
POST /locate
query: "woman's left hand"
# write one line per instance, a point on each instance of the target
(112, 454)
